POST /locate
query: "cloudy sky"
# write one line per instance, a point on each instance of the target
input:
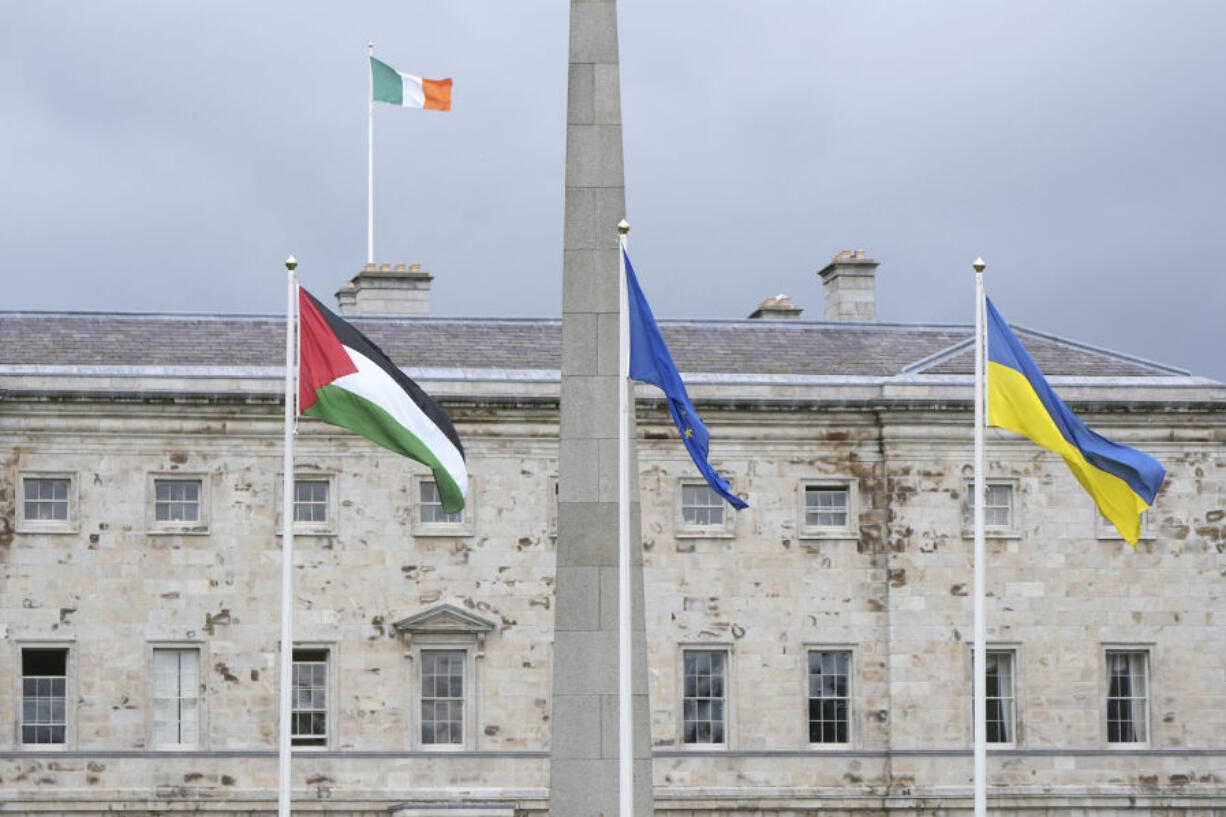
(168, 156)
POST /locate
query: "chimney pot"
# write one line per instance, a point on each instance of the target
(368, 268)
(778, 308)
(398, 268)
(849, 285)
(414, 267)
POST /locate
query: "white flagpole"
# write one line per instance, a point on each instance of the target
(287, 549)
(625, 732)
(980, 656)
(370, 162)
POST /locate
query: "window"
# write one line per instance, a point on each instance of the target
(179, 503)
(44, 696)
(553, 507)
(46, 499)
(442, 697)
(309, 715)
(829, 696)
(432, 506)
(701, 512)
(998, 512)
(445, 644)
(1104, 528)
(176, 500)
(314, 503)
(47, 503)
(998, 506)
(1127, 696)
(703, 716)
(176, 697)
(701, 506)
(999, 697)
(311, 501)
(825, 507)
(828, 509)
(429, 519)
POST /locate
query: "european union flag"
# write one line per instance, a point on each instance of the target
(650, 362)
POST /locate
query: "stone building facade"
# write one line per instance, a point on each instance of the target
(810, 653)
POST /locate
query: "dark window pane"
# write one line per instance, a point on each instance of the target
(44, 662)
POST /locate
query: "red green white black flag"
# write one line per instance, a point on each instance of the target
(348, 381)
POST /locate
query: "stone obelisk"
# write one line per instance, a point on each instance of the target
(584, 764)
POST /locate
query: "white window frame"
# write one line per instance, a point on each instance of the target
(157, 527)
(852, 688)
(331, 693)
(326, 528)
(967, 510)
(729, 696)
(850, 530)
(722, 530)
(1014, 653)
(1104, 529)
(70, 695)
(553, 506)
(201, 697)
(444, 627)
(465, 681)
(26, 525)
(464, 527)
(1146, 651)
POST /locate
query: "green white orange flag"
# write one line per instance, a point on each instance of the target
(392, 86)
(346, 380)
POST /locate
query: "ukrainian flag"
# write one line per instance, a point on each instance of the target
(1122, 480)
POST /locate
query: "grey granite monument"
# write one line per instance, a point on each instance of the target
(584, 763)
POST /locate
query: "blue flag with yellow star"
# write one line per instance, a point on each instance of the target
(650, 362)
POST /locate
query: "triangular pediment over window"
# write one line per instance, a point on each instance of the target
(445, 625)
(444, 619)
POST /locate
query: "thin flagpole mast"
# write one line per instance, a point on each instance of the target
(625, 729)
(287, 549)
(370, 162)
(980, 654)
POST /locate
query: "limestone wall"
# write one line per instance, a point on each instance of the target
(896, 593)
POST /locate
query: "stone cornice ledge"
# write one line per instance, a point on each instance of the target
(953, 752)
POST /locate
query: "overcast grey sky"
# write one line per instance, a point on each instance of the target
(168, 156)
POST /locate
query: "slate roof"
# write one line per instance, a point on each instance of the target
(733, 347)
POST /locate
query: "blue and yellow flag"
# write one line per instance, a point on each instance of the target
(650, 362)
(1123, 481)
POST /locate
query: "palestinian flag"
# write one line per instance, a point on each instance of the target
(346, 380)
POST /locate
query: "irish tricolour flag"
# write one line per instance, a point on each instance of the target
(347, 381)
(405, 89)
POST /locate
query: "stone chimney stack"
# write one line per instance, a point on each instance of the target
(849, 283)
(386, 290)
(778, 308)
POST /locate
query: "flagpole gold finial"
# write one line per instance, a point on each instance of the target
(979, 265)
(291, 263)
(623, 227)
